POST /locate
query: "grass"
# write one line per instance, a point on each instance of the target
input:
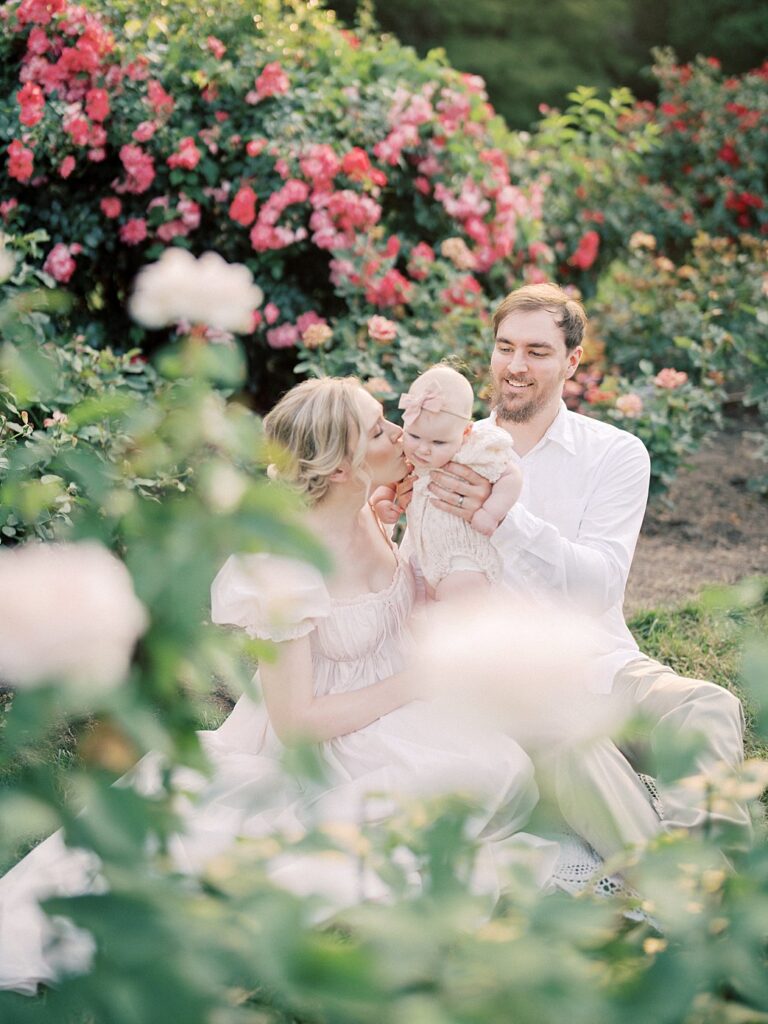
(704, 639)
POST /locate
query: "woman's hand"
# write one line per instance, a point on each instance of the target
(459, 490)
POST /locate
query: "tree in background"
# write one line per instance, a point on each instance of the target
(533, 54)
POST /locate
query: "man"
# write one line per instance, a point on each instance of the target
(572, 536)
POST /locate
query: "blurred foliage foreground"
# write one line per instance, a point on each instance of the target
(152, 463)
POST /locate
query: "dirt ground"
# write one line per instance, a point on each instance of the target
(714, 530)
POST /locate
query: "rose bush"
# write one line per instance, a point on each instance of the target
(667, 411)
(335, 179)
(705, 315)
(693, 162)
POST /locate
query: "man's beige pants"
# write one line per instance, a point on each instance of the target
(598, 791)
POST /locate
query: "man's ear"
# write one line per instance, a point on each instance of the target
(574, 358)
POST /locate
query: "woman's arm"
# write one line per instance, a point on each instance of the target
(298, 715)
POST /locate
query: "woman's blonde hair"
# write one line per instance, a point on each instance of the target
(316, 426)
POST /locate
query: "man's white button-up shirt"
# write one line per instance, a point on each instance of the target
(572, 533)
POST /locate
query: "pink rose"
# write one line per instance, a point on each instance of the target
(271, 313)
(242, 209)
(670, 378)
(143, 132)
(392, 289)
(59, 262)
(217, 48)
(382, 330)
(586, 251)
(172, 229)
(187, 156)
(160, 101)
(422, 258)
(272, 81)
(255, 146)
(284, 336)
(97, 104)
(78, 129)
(111, 207)
(7, 207)
(133, 231)
(66, 166)
(20, 161)
(189, 211)
(308, 319)
(630, 405)
(140, 169)
(32, 103)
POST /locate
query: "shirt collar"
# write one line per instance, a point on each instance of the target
(560, 431)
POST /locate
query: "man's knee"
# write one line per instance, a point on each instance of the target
(716, 700)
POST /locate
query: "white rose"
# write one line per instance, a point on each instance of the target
(520, 668)
(207, 290)
(67, 612)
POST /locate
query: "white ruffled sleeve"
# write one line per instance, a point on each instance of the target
(271, 598)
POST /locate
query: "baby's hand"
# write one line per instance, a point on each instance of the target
(384, 505)
(483, 522)
(404, 490)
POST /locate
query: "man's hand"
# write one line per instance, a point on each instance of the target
(459, 490)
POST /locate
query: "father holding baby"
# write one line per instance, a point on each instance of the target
(571, 537)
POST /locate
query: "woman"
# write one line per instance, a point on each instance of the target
(339, 680)
(340, 677)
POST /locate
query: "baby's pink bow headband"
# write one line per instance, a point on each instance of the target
(431, 399)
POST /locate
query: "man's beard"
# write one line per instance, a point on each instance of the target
(520, 412)
(523, 411)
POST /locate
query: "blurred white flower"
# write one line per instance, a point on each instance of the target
(7, 261)
(207, 291)
(67, 612)
(520, 668)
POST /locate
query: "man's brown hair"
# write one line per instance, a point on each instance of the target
(569, 313)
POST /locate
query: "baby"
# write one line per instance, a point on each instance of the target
(437, 420)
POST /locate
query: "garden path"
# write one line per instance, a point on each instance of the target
(714, 531)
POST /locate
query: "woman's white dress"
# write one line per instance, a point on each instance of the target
(414, 751)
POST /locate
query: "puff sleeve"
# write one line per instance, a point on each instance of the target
(271, 598)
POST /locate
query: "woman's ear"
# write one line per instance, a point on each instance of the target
(340, 475)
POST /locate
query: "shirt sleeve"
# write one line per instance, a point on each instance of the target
(592, 569)
(271, 598)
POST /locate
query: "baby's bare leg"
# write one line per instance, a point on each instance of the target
(460, 583)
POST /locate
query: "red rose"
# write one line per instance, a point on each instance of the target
(97, 104)
(586, 251)
(242, 209)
